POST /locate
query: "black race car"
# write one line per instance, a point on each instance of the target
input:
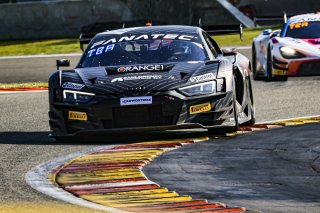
(150, 79)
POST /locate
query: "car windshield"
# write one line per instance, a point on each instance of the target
(304, 30)
(143, 51)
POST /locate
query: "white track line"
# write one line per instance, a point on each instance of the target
(287, 119)
(121, 184)
(37, 178)
(40, 56)
(17, 92)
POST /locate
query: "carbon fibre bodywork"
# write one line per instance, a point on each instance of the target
(166, 106)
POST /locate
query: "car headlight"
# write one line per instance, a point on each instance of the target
(290, 53)
(200, 89)
(76, 96)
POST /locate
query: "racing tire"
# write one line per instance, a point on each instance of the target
(235, 110)
(269, 66)
(252, 121)
(254, 64)
(231, 129)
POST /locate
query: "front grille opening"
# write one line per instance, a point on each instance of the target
(140, 116)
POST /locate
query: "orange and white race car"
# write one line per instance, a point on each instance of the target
(292, 51)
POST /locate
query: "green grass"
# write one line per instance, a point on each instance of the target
(234, 40)
(30, 47)
(23, 85)
(71, 45)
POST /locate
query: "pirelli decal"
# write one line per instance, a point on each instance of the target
(81, 116)
(200, 108)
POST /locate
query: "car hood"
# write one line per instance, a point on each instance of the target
(122, 79)
(308, 47)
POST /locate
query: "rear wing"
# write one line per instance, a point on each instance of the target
(85, 39)
(271, 20)
(89, 31)
(224, 30)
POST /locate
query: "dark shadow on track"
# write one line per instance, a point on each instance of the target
(42, 138)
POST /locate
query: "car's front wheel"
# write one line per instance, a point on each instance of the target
(270, 69)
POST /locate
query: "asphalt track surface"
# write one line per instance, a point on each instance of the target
(21, 70)
(271, 171)
(24, 144)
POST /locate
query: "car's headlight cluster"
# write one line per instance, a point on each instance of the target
(290, 53)
(76, 96)
(200, 89)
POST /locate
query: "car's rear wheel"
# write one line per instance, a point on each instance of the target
(269, 66)
(254, 63)
(235, 108)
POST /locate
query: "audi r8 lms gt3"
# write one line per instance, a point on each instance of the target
(293, 51)
(151, 78)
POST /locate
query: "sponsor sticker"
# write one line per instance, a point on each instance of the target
(308, 19)
(73, 86)
(144, 37)
(140, 68)
(81, 116)
(136, 100)
(200, 78)
(138, 77)
(200, 108)
(299, 25)
(149, 68)
(278, 72)
(100, 50)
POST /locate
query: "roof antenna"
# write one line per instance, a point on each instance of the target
(149, 22)
(123, 25)
(200, 22)
(285, 18)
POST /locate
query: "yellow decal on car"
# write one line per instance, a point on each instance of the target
(278, 72)
(299, 25)
(81, 116)
(200, 108)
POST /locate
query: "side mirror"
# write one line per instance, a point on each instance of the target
(62, 63)
(229, 52)
(267, 32)
(275, 34)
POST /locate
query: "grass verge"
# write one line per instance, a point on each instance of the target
(234, 40)
(71, 45)
(21, 86)
(30, 47)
